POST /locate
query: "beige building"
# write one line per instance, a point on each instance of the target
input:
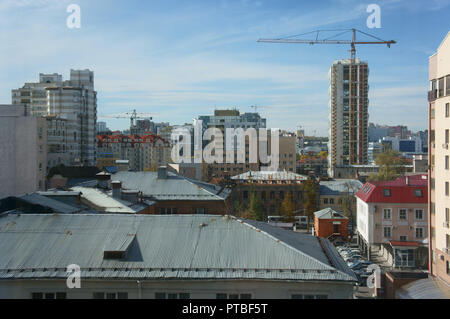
(23, 151)
(392, 220)
(286, 160)
(144, 152)
(439, 168)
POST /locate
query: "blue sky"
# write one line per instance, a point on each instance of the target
(181, 59)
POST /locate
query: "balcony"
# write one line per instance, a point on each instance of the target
(432, 95)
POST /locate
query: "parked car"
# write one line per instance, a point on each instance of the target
(353, 258)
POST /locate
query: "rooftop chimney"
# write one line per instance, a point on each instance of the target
(162, 172)
(116, 189)
(103, 180)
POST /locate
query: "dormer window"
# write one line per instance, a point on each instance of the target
(386, 192)
(418, 193)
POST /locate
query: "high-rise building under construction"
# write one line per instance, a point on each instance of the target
(348, 114)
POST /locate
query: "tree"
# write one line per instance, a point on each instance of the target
(256, 208)
(348, 204)
(323, 154)
(288, 207)
(391, 165)
(310, 197)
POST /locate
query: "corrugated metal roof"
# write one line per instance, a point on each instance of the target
(270, 175)
(174, 187)
(165, 246)
(329, 213)
(340, 186)
(54, 205)
(429, 288)
(105, 203)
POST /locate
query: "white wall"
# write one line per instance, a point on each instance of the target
(20, 154)
(22, 289)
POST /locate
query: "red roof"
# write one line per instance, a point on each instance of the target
(133, 139)
(406, 189)
(405, 243)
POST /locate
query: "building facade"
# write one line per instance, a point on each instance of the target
(392, 216)
(271, 188)
(439, 169)
(73, 102)
(23, 151)
(330, 224)
(348, 114)
(144, 152)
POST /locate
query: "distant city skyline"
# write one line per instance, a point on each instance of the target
(179, 61)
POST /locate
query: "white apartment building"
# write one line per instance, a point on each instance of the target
(439, 168)
(23, 151)
(74, 103)
(348, 114)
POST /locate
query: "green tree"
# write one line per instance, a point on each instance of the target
(310, 198)
(391, 165)
(322, 154)
(288, 207)
(256, 208)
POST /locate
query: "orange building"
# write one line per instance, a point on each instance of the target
(329, 223)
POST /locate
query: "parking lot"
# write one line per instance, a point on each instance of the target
(359, 265)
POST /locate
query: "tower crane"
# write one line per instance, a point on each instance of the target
(352, 79)
(129, 115)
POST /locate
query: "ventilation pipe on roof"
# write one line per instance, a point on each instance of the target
(103, 179)
(162, 172)
(116, 189)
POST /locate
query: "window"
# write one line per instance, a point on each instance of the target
(387, 214)
(172, 295)
(263, 195)
(447, 215)
(110, 295)
(387, 232)
(419, 232)
(48, 295)
(447, 133)
(402, 214)
(447, 106)
(325, 200)
(233, 296)
(418, 193)
(336, 229)
(446, 189)
(419, 214)
(446, 162)
(200, 211)
(386, 192)
(245, 195)
(299, 296)
(404, 257)
(331, 201)
(403, 238)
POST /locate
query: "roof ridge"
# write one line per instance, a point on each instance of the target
(285, 244)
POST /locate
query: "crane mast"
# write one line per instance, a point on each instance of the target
(353, 77)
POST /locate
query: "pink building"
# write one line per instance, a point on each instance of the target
(392, 220)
